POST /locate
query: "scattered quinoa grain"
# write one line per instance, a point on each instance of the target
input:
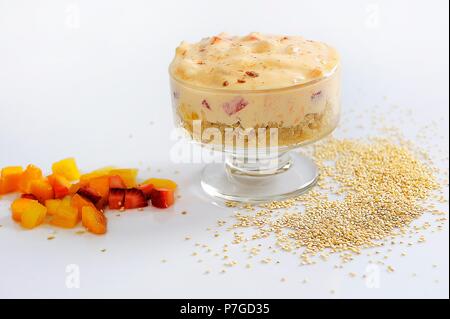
(382, 186)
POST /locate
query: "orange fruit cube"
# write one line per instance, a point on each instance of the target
(79, 202)
(128, 175)
(33, 215)
(18, 207)
(67, 201)
(61, 186)
(94, 220)
(30, 174)
(42, 190)
(87, 177)
(10, 178)
(52, 206)
(75, 187)
(101, 186)
(105, 171)
(65, 216)
(67, 168)
(161, 183)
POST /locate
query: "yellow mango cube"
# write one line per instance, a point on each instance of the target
(18, 207)
(161, 183)
(52, 206)
(10, 178)
(33, 215)
(67, 168)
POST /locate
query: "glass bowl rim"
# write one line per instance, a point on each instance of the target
(258, 91)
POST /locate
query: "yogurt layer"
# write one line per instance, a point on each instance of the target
(252, 62)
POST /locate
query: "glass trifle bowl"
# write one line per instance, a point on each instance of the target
(255, 99)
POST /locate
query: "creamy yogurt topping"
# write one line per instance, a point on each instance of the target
(252, 62)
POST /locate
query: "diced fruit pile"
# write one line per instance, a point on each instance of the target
(66, 197)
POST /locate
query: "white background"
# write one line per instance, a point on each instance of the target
(89, 79)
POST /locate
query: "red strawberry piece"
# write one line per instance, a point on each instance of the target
(162, 197)
(90, 194)
(135, 198)
(116, 181)
(28, 196)
(234, 106)
(206, 104)
(147, 190)
(316, 95)
(116, 198)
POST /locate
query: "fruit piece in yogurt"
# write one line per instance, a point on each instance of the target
(234, 106)
(316, 95)
(206, 104)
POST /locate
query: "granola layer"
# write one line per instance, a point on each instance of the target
(313, 127)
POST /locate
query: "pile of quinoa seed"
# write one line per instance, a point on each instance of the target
(369, 192)
(378, 187)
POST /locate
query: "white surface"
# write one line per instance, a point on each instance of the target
(89, 79)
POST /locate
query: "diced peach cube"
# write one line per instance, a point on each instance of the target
(42, 190)
(75, 187)
(65, 216)
(67, 168)
(67, 201)
(33, 215)
(94, 220)
(52, 206)
(18, 207)
(101, 186)
(79, 202)
(10, 178)
(30, 174)
(61, 186)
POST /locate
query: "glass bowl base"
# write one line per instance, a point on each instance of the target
(298, 176)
